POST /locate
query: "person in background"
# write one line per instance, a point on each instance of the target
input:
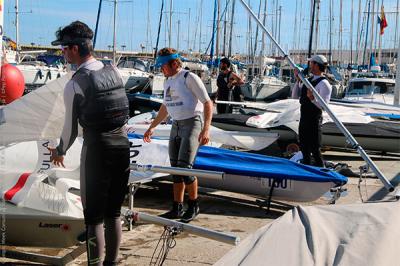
(227, 81)
(187, 102)
(311, 111)
(95, 98)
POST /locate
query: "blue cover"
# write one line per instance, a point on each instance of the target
(249, 164)
(257, 165)
(389, 116)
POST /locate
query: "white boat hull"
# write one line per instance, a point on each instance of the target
(28, 227)
(286, 189)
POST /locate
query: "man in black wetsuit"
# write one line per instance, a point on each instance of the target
(95, 98)
(226, 82)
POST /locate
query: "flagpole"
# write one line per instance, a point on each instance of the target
(349, 138)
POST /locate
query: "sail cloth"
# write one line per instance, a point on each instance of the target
(38, 115)
(287, 113)
(357, 234)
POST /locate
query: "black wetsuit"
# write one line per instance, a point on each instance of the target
(95, 97)
(310, 127)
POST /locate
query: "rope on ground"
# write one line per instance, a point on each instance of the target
(167, 241)
(363, 176)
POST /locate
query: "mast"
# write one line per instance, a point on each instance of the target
(380, 45)
(294, 28)
(201, 22)
(170, 23)
(188, 33)
(300, 28)
(262, 50)
(231, 29)
(213, 32)
(148, 31)
(280, 20)
(341, 33)
(272, 27)
(397, 86)
(311, 29)
(358, 30)
(224, 42)
(316, 27)
(178, 35)
(276, 22)
(159, 29)
(366, 33)
(372, 35)
(396, 28)
(218, 25)
(256, 37)
(97, 24)
(351, 32)
(330, 30)
(115, 33)
(16, 31)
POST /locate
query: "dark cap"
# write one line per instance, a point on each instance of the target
(225, 60)
(75, 33)
(68, 40)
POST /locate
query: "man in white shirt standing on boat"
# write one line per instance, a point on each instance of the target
(310, 125)
(187, 102)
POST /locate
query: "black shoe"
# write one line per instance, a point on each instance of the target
(192, 211)
(176, 211)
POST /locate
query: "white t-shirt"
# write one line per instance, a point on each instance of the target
(184, 97)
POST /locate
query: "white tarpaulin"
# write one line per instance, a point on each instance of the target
(357, 234)
(287, 113)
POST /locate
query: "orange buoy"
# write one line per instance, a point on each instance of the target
(12, 84)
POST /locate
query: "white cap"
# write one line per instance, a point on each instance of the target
(320, 59)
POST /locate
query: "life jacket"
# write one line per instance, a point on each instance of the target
(222, 84)
(105, 106)
(306, 104)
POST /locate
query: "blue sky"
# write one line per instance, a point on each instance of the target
(39, 25)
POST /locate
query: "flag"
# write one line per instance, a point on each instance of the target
(382, 20)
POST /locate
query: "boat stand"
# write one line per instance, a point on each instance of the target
(45, 259)
(132, 189)
(268, 201)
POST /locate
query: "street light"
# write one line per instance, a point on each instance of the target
(123, 47)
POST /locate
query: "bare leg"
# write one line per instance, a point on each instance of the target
(192, 190)
(179, 191)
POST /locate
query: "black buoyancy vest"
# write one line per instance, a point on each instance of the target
(106, 106)
(222, 84)
(305, 102)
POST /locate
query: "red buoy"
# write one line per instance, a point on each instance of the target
(12, 84)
